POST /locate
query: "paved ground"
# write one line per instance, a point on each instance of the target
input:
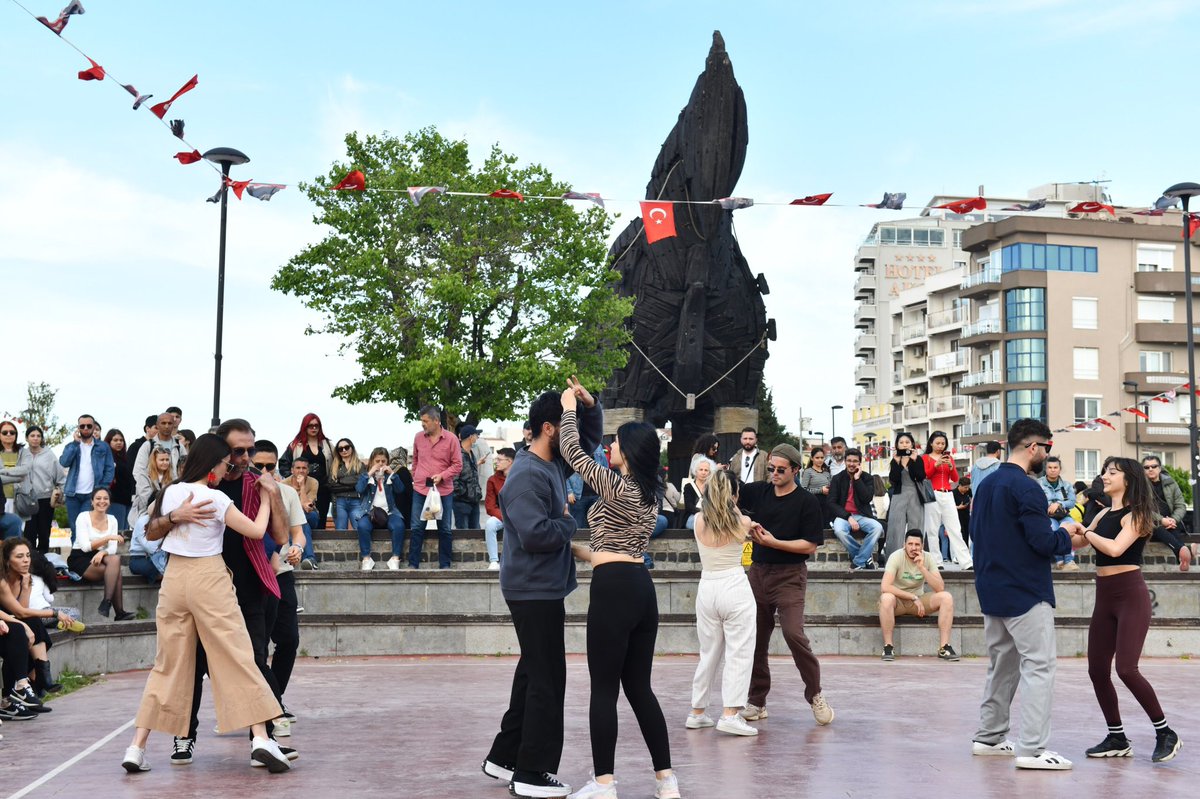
(419, 726)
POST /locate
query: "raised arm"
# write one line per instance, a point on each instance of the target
(606, 482)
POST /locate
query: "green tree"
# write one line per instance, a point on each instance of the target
(39, 410)
(475, 304)
(1183, 480)
(770, 430)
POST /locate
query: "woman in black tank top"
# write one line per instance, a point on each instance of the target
(1121, 617)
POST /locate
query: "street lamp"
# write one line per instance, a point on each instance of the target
(870, 437)
(1132, 385)
(1185, 192)
(226, 157)
(818, 434)
(833, 409)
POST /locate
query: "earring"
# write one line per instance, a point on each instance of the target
(212, 477)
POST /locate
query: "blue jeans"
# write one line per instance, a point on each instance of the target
(416, 531)
(690, 524)
(311, 519)
(1054, 525)
(121, 514)
(152, 567)
(491, 526)
(944, 542)
(660, 527)
(76, 504)
(466, 515)
(860, 554)
(395, 525)
(10, 525)
(346, 511)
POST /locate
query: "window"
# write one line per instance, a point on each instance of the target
(1155, 258)
(912, 237)
(1087, 464)
(1049, 258)
(1025, 361)
(1154, 361)
(1085, 313)
(1156, 309)
(1165, 458)
(904, 237)
(1087, 363)
(1086, 409)
(958, 239)
(1025, 403)
(1024, 310)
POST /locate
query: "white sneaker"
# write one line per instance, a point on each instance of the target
(135, 760)
(1047, 760)
(753, 712)
(283, 727)
(822, 712)
(594, 790)
(1002, 749)
(393, 564)
(735, 725)
(494, 566)
(266, 751)
(667, 787)
(695, 722)
(368, 564)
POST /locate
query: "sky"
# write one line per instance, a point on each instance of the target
(109, 252)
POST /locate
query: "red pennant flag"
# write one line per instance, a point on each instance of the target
(238, 186)
(1091, 208)
(508, 194)
(1137, 412)
(1193, 225)
(658, 220)
(1104, 422)
(188, 158)
(965, 206)
(355, 181)
(95, 73)
(160, 110)
(1161, 399)
(812, 199)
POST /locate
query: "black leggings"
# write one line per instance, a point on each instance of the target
(1119, 625)
(37, 529)
(621, 629)
(1169, 537)
(14, 648)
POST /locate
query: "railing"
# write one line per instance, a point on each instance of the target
(895, 340)
(897, 418)
(989, 275)
(914, 372)
(916, 411)
(988, 428)
(947, 404)
(947, 318)
(980, 328)
(981, 378)
(912, 332)
(947, 362)
(897, 376)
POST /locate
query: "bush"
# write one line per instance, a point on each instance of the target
(1181, 479)
(60, 516)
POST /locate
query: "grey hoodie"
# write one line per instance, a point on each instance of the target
(986, 465)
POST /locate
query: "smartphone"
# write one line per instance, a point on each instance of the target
(429, 482)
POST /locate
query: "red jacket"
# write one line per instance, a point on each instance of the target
(943, 478)
(491, 502)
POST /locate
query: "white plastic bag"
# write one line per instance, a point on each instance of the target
(432, 511)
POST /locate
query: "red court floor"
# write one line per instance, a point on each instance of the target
(419, 727)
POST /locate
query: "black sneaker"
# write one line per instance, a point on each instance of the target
(182, 754)
(498, 771)
(947, 653)
(105, 607)
(1112, 746)
(125, 615)
(889, 652)
(17, 711)
(533, 785)
(25, 696)
(1166, 745)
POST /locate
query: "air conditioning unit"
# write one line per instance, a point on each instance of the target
(945, 382)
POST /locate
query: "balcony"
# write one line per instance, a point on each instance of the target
(947, 363)
(864, 287)
(914, 374)
(987, 429)
(865, 265)
(982, 331)
(1163, 332)
(911, 333)
(918, 411)
(1157, 433)
(944, 320)
(947, 406)
(866, 311)
(866, 373)
(865, 344)
(981, 382)
(897, 418)
(1162, 282)
(1154, 382)
(896, 340)
(981, 282)
(866, 399)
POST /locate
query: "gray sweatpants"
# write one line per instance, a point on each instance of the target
(1020, 649)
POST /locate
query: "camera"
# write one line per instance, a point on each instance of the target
(903, 452)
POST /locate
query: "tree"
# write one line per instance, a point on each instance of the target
(770, 430)
(39, 410)
(1183, 480)
(474, 304)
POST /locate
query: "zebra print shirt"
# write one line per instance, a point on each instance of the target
(621, 521)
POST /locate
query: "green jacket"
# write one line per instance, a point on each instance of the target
(1174, 498)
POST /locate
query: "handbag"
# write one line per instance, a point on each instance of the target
(925, 491)
(25, 504)
(379, 519)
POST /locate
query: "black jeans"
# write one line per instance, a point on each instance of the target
(37, 529)
(259, 610)
(1169, 537)
(286, 632)
(531, 731)
(14, 649)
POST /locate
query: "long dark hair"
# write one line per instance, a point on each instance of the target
(903, 434)
(936, 434)
(124, 453)
(1138, 495)
(640, 449)
(705, 443)
(16, 445)
(203, 457)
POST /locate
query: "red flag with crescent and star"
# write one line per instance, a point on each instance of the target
(1105, 422)
(1137, 412)
(160, 110)
(188, 158)
(1091, 208)
(95, 73)
(1193, 225)
(659, 220)
(812, 199)
(508, 194)
(964, 206)
(355, 181)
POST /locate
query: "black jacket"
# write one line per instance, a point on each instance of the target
(864, 492)
(916, 470)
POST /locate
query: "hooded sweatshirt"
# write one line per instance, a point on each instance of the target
(983, 467)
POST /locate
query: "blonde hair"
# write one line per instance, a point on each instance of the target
(379, 452)
(351, 465)
(722, 521)
(152, 467)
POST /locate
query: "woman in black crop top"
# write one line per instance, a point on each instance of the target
(1121, 617)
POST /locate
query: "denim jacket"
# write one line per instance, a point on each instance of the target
(367, 488)
(103, 467)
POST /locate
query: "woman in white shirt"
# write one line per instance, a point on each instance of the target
(197, 600)
(94, 556)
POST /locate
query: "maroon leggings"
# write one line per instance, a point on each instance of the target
(1119, 626)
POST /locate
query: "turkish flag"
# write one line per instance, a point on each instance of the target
(1091, 208)
(95, 73)
(160, 110)
(1104, 422)
(1193, 224)
(965, 206)
(508, 194)
(1137, 412)
(659, 220)
(355, 181)
(238, 186)
(812, 199)
(188, 158)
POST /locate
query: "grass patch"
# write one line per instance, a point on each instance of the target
(72, 682)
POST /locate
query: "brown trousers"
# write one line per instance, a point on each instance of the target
(197, 599)
(781, 587)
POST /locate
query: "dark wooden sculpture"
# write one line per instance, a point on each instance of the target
(698, 309)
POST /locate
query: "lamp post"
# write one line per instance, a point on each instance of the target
(1185, 192)
(870, 437)
(818, 434)
(1132, 385)
(833, 409)
(226, 157)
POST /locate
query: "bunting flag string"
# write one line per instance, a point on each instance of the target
(1093, 425)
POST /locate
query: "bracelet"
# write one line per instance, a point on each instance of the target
(170, 521)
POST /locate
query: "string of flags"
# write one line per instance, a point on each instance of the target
(1092, 425)
(658, 215)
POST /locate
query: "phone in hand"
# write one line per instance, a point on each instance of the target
(429, 482)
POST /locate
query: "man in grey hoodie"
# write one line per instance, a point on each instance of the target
(986, 465)
(537, 572)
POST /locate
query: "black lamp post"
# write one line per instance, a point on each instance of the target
(1185, 192)
(870, 437)
(833, 409)
(226, 157)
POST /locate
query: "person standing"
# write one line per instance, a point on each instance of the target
(941, 513)
(437, 460)
(123, 484)
(1121, 616)
(816, 477)
(1060, 500)
(89, 464)
(537, 573)
(837, 456)
(986, 465)
(467, 490)
(906, 510)
(787, 529)
(750, 464)
(1014, 548)
(962, 503)
(45, 478)
(164, 438)
(312, 443)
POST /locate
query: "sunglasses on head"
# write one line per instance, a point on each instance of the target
(240, 452)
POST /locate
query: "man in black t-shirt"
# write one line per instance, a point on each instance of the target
(788, 527)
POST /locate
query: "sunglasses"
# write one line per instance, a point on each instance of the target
(343, 449)
(266, 467)
(1150, 466)
(240, 452)
(314, 426)
(228, 465)
(86, 426)
(779, 469)
(1044, 444)
(8, 432)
